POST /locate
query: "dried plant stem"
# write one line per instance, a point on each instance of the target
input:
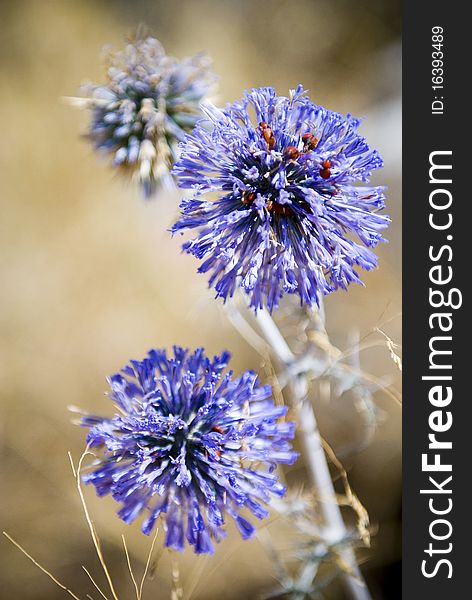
(95, 584)
(177, 592)
(148, 562)
(334, 530)
(93, 533)
(130, 568)
(40, 567)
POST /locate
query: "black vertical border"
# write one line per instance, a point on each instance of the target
(422, 134)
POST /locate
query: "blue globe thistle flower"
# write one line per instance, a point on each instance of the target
(144, 109)
(190, 445)
(287, 175)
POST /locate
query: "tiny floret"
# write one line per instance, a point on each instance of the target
(149, 101)
(189, 445)
(291, 198)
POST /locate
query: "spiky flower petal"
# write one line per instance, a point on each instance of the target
(144, 109)
(287, 175)
(191, 445)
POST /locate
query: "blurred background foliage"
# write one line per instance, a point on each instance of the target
(90, 277)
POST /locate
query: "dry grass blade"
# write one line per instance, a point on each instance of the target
(350, 498)
(386, 388)
(72, 466)
(94, 583)
(45, 571)
(391, 348)
(130, 568)
(148, 562)
(93, 533)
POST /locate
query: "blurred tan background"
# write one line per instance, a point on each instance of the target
(90, 278)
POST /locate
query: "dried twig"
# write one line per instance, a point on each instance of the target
(148, 562)
(350, 498)
(391, 348)
(45, 571)
(93, 533)
(95, 584)
(130, 568)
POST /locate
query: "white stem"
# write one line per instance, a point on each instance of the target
(334, 530)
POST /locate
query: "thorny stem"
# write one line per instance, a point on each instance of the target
(334, 530)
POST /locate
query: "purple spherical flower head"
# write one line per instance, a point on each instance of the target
(290, 178)
(148, 103)
(191, 445)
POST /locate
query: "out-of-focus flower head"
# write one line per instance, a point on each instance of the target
(191, 445)
(148, 103)
(290, 179)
